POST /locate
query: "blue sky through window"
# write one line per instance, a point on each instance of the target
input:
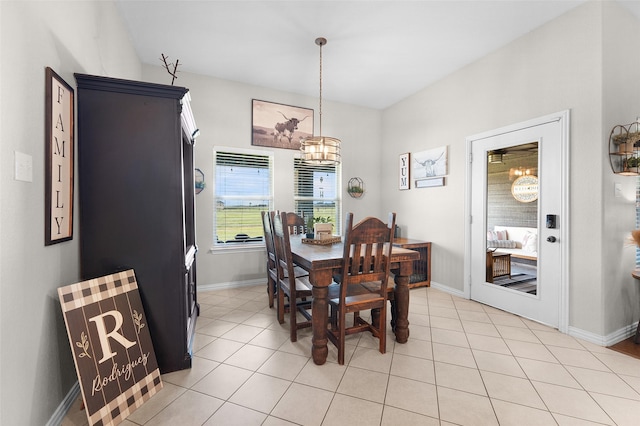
(241, 182)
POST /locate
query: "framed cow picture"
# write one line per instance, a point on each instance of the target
(278, 125)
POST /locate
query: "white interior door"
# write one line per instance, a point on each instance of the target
(545, 301)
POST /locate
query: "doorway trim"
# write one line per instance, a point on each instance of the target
(563, 117)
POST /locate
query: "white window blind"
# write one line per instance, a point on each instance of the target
(317, 191)
(243, 189)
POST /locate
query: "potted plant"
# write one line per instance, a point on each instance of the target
(630, 163)
(355, 191)
(318, 224)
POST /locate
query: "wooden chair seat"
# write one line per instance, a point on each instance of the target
(302, 284)
(355, 292)
(298, 272)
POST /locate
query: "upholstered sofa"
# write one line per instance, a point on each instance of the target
(520, 242)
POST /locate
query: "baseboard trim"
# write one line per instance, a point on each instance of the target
(596, 339)
(447, 289)
(606, 340)
(65, 405)
(233, 284)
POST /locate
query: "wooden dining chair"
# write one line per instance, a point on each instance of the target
(272, 273)
(295, 224)
(296, 288)
(364, 281)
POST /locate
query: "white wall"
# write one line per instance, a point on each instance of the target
(555, 67)
(36, 368)
(222, 110)
(621, 105)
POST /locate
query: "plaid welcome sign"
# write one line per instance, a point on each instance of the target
(111, 346)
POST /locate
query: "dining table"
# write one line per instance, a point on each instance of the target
(323, 261)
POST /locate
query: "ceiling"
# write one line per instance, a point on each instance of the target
(378, 52)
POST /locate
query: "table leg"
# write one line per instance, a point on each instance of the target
(375, 317)
(319, 350)
(402, 308)
(394, 315)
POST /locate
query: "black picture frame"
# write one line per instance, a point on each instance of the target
(59, 159)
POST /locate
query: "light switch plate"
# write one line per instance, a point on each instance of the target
(23, 167)
(617, 189)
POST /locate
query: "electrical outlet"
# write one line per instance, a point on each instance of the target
(617, 189)
(24, 167)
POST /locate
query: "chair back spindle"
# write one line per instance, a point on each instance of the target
(295, 224)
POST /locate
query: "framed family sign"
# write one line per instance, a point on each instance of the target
(59, 159)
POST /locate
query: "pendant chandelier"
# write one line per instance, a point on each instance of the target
(321, 149)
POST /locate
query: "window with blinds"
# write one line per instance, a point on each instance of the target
(317, 191)
(243, 189)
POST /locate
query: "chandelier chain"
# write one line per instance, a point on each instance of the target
(320, 89)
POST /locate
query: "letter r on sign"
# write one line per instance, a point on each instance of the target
(105, 344)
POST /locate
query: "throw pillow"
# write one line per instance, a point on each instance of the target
(501, 244)
(502, 235)
(530, 242)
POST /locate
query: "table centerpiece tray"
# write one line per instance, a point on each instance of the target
(324, 242)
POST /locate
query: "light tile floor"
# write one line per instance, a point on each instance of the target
(464, 364)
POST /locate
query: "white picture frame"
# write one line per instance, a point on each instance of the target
(429, 183)
(404, 178)
(430, 163)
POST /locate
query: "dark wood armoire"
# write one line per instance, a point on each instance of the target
(137, 201)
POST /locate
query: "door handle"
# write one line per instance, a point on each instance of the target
(552, 239)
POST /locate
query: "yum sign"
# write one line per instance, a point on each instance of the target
(111, 346)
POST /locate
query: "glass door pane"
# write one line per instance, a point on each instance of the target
(512, 217)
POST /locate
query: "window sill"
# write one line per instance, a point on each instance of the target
(236, 248)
